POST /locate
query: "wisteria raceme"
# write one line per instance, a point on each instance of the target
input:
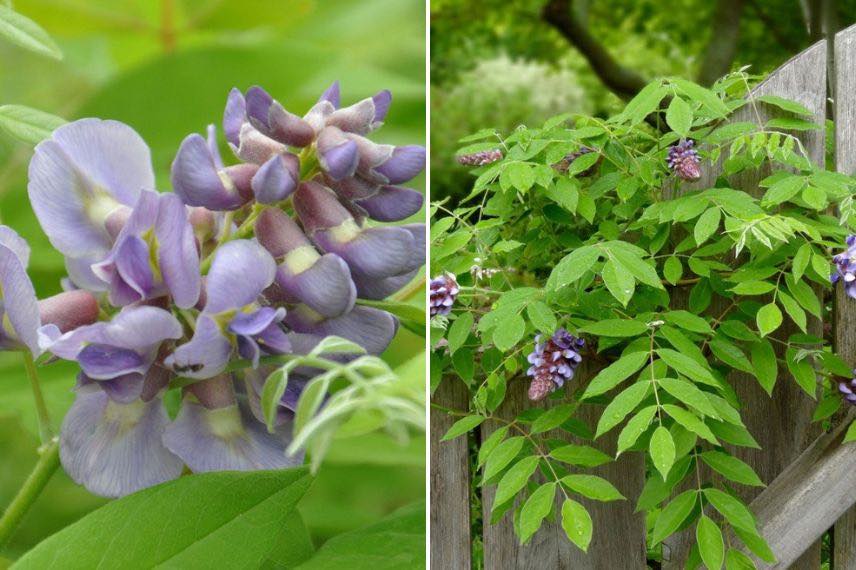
(480, 158)
(260, 258)
(845, 267)
(553, 362)
(684, 161)
(443, 292)
(848, 389)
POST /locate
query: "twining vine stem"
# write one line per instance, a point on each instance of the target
(47, 464)
(45, 427)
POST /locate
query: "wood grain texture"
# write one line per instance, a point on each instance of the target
(619, 534)
(781, 424)
(844, 534)
(450, 482)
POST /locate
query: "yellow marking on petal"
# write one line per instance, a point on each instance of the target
(346, 231)
(98, 205)
(225, 423)
(300, 259)
(126, 416)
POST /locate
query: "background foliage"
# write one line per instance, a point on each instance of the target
(165, 67)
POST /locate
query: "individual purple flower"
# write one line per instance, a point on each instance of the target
(480, 158)
(847, 388)
(443, 292)
(371, 253)
(322, 282)
(845, 267)
(553, 362)
(154, 254)
(110, 438)
(216, 431)
(683, 160)
(85, 172)
(232, 318)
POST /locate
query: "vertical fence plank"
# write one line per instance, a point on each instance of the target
(781, 424)
(450, 483)
(619, 534)
(844, 536)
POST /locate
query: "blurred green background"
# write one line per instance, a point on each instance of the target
(504, 63)
(165, 68)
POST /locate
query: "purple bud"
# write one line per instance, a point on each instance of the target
(480, 158)
(69, 310)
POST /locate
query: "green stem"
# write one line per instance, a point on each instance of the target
(30, 491)
(45, 427)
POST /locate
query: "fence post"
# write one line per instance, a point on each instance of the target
(844, 535)
(450, 482)
(781, 424)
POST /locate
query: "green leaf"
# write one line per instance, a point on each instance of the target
(769, 318)
(577, 524)
(685, 392)
(764, 362)
(801, 260)
(793, 309)
(635, 427)
(687, 321)
(687, 366)
(542, 317)
(783, 190)
(804, 294)
(705, 97)
(459, 331)
(615, 373)
(756, 544)
(616, 328)
(463, 426)
(520, 175)
(573, 266)
(628, 258)
(645, 102)
(618, 281)
(711, 546)
(803, 372)
(706, 225)
(24, 32)
(784, 104)
(621, 406)
(679, 116)
(673, 515)
(583, 163)
(732, 468)
(274, 388)
(851, 433)
(672, 270)
(208, 520)
(730, 354)
(662, 450)
(509, 332)
(690, 422)
(337, 345)
(502, 456)
(736, 560)
(753, 287)
(592, 487)
(514, 480)
(491, 443)
(536, 507)
(394, 542)
(28, 125)
(735, 512)
(552, 418)
(582, 455)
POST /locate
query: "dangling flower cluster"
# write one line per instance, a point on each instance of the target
(443, 292)
(848, 389)
(845, 267)
(480, 158)
(261, 258)
(683, 160)
(553, 362)
(563, 165)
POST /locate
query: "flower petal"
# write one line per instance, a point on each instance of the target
(197, 180)
(278, 233)
(371, 328)
(178, 258)
(205, 355)
(234, 116)
(114, 449)
(374, 252)
(326, 286)
(405, 163)
(19, 299)
(392, 203)
(371, 288)
(254, 323)
(332, 94)
(102, 361)
(337, 155)
(276, 179)
(226, 439)
(241, 270)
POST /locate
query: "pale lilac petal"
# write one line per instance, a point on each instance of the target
(124, 389)
(382, 101)
(288, 128)
(133, 265)
(81, 275)
(337, 155)
(140, 328)
(227, 439)
(178, 257)
(332, 94)
(19, 299)
(276, 179)
(114, 449)
(378, 289)
(249, 349)
(19, 246)
(274, 340)
(326, 286)
(254, 323)
(197, 180)
(405, 163)
(234, 116)
(102, 361)
(357, 118)
(371, 328)
(375, 252)
(241, 270)
(392, 203)
(213, 147)
(205, 355)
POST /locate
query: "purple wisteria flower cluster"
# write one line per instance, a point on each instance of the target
(191, 289)
(443, 291)
(683, 160)
(848, 389)
(553, 362)
(480, 158)
(845, 267)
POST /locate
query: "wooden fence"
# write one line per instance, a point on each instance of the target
(811, 477)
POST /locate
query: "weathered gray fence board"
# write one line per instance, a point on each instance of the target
(619, 534)
(450, 482)
(844, 536)
(781, 425)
